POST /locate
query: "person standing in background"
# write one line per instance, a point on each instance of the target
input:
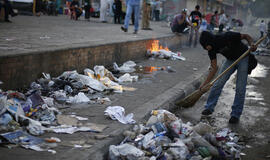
(213, 21)
(222, 21)
(103, 8)
(156, 7)
(87, 6)
(117, 10)
(196, 19)
(262, 28)
(146, 15)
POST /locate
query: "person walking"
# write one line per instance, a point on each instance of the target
(132, 6)
(262, 28)
(146, 15)
(228, 44)
(196, 19)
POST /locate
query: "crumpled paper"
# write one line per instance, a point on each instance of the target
(118, 113)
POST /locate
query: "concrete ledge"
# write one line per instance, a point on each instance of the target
(18, 71)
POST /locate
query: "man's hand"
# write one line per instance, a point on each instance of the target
(205, 88)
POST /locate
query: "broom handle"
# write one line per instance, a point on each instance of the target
(235, 62)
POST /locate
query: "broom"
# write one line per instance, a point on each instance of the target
(191, 99)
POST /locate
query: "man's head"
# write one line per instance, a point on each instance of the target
(262, 21)
(207, 40)
(216, 12)
(184, 11)
(197, 7)
(222, 11)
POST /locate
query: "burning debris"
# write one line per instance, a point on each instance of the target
(165, 136)
(159, 51)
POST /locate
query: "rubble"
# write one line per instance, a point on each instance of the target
(165, 136)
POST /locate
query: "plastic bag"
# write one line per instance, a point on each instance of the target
(80, 98)
(127, 78)
(118, 113)
(127, 67)
(125, 150)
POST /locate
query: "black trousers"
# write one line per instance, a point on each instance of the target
(87, 11)
(8, 9)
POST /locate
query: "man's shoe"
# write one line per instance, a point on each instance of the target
(7, 21)
(135, 32)
(233, 120)
(123, 29)
(207, 112)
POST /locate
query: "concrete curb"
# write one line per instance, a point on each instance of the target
(163, 101)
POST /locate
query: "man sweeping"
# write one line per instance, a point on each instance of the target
(230, 46)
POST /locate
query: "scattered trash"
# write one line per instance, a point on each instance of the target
(80, 98)
(127, 67)
(118, 113)
(165, 136)
(127, 78)
(157, 50)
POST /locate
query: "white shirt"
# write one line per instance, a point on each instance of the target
(263, 27)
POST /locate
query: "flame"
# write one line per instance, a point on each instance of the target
(156, 47)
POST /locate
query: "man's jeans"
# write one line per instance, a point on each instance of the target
(239, 99)
(136, 9)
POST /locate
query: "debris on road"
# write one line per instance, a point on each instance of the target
(165, 136)
(157, 50)
(118, 113)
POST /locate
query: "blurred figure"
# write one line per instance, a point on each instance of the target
(75, 9)
(156, 8)
(117, 10)
(196, 19)
(5, 4)
(222, 21)
(87, 7)
(132, 6)
(180, 22)
(146, 15)
(213, 21)
(262, 28)
(104, 4)
(52, 8)
(203, 26)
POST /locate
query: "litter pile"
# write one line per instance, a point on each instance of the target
(166, 137)
(34, 112)
(158, 51)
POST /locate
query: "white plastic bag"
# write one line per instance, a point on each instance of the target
(127, 67)
(118, 113)
(80, 98)
(127, 78)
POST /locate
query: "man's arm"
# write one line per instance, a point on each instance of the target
(250, 41)
(212, 71)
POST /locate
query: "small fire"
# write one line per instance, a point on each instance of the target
(156, 47)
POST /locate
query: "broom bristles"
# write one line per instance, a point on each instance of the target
(190, 100)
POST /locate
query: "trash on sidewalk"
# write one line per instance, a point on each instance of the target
(118, 113)
(165, 136)
(25, 140)
(127, 78)
(80, 98)
(159, 51)
(127, 67)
